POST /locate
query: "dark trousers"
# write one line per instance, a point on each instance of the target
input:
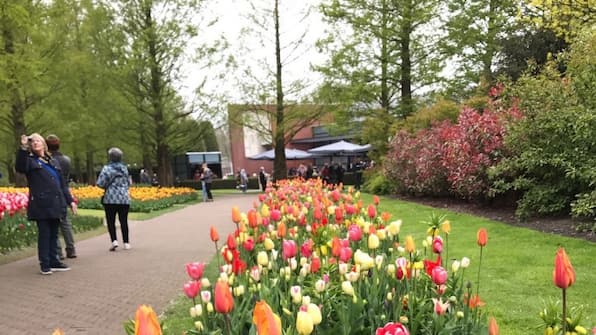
(208, 190)
(47, 243)
(122, 210)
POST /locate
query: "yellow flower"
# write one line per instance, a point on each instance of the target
(394, 228)
(262, 258)
(268, 244)
(446, 227)
(315, 314)
(373, 241)
(410, 245)
(304, 323)
(347, 287)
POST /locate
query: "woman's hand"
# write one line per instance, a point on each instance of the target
(73, 207)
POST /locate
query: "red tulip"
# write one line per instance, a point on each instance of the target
(224, 302)
(231, 242)
(481, 237)
(376, 200)
(345, 254)
(195, 270)
(307, 248)
(191, 289)
(339, 214)
(335, 195)
(563, 274)
(315, 265)
(214, 235)
(350, 209)
(372, 211)
(249, 244)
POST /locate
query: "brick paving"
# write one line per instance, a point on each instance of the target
(103, 289)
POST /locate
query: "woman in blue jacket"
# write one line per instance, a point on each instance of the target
(48, 198)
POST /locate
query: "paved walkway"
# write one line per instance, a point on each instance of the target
(104, 288)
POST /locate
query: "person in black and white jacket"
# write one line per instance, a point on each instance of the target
(114, 179)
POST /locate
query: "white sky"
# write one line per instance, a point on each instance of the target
(233, 17)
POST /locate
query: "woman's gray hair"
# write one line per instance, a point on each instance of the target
(115, 155)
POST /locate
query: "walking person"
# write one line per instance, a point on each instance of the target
(207, 177)
(113, 178)
(263, 179)
(53, 143)
(48, 197)
(243, 180)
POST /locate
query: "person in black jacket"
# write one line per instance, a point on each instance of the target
(53, 143)
(48, 197)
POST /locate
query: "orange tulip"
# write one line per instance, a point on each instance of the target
(267, 322)
(236, 217)
(282, 230)
(481, 237)
(252, 218)
(376, 200)
(58, 331)
(224, 302)
(563, 274)
(214, 234)
(493, 327)
(146, 322)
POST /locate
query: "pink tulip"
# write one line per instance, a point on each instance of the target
(195, 270)
(372, 211)
(350, 209)
(439, 275)
(438, 245)
(393, 328)
(354, 233)
(249, 244)
(289, 249)
(345, 254)
(191, 289)
(275, 215)
(307, 248)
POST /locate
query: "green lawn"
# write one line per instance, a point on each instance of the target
(516, 274)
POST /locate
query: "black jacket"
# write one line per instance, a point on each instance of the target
(48, 198)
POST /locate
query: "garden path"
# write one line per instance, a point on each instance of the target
(104, 288)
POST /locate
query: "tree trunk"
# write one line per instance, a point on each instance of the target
(406, 61)
(279, 165)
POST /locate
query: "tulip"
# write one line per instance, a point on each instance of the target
(446, 227)
(392, 329)
(354, 233)
(268, 244)
(347, 287)
(563, 274)
(493, 327)
(465, 262)
(57, 331)
(315, 313)
(214, 235)
(394, 227)
(439, 275)
(282, 230)
(345, 254)
(373, 241)
(440, 306)
(304, 323)
(249, 244)
(265, 211)
(410, 245)
(252, 217)
(224, 302)
(191, 289)
(320, 285)
(236, 216)
(315, 265)
(481, 237)
(199, 326)
(376, 200)
(206, 296)
(289, 249)
(267, 322)
(146, 322)
(195, 270)
(372, 211)
(438, 245)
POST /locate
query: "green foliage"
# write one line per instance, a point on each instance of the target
(554, 146)
(144, 206)
(439, 111)
(377, 183)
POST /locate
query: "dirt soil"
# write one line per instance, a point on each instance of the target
(560, 225)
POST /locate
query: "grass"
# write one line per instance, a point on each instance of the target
(516, 274)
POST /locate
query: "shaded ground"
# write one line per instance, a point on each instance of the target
(561, 225)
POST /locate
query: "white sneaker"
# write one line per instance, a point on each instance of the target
(114, 245)
(127, 246)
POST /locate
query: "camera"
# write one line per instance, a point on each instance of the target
(29, 138)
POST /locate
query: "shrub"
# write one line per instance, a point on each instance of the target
(377, 183)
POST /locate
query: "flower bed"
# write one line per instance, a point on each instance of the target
(17, 232)
(308, 259)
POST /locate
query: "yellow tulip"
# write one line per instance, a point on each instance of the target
(304, 323)
(262, 258)
(315, 314)
(373, 241)
(410, 245)
(268, 244)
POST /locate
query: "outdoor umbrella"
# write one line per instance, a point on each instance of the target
(341, 147)
(291, 154)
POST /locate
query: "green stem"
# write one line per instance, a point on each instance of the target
(564, 311)
(228, 324)
(478, 278)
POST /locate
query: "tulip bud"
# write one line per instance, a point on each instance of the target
(455, 266)
(373, 241)
(304, 323)
(315, 313)
(209, 308)
(465, 262)
(268, 244)
(347, 287)
(199, 326)
(199, 309)
(262, 258)
(193, 313)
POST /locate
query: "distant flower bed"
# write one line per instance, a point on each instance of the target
(144, 199)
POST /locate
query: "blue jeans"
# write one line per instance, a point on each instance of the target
(47, 243)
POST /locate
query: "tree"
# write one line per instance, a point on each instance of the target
(381, 52)
(158, 31)
(474, 28)
(564, 18)
(268, 111)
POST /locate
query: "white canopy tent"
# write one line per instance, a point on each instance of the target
(340, 148)
(291, 154)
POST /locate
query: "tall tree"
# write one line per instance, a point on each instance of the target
(474, 29)
(564, 17)
(381, 53)
(272, 107)
(158, 31)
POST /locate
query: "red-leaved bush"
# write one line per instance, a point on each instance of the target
(451, 158)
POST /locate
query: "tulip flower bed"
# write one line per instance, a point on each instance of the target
(144, 199)
(17, 232)
(308, 259)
